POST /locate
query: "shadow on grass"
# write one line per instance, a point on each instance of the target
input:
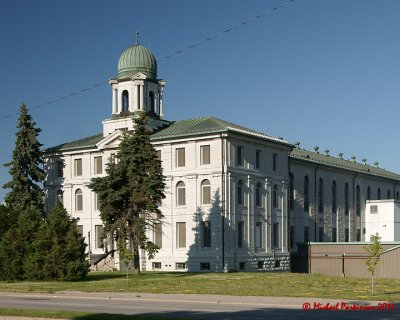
(254, 314)
(99, 276)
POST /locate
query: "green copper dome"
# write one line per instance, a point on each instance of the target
(135, 59)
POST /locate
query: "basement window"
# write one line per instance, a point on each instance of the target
(180, 266)
(205, 266)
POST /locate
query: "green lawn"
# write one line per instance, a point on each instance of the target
(237, 283)
(58, 314)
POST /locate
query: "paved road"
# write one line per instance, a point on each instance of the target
(197, 306)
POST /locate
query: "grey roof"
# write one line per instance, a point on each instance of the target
(317, 158)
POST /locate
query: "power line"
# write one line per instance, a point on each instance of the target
(219, 34)
(192, 46)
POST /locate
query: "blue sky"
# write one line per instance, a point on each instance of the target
(323, 73)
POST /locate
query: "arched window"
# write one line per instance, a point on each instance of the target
(306, 194)
(346, 199)
(180, 194)
(369, 193)
(240, 193)
(334, 206)
(152, 103)
(258, 195)
(379, 194)
(205, 192)
(78, 200)
(125, 101)
(275, 196)
(358, 202)
(60, 196)
(388, 194)
(320, 196)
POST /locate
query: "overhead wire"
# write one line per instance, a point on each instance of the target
(182, 50)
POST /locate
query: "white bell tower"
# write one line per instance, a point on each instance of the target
(136, 89)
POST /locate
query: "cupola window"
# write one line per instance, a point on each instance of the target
(152, 104)
(125, 101)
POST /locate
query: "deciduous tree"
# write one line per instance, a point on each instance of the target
(374, 250)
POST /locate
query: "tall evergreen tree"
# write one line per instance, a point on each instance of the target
(8, 218)
(26, 195)
(131, 193)
(58, 251)
(16, 245)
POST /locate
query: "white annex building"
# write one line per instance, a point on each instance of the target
(237, 199)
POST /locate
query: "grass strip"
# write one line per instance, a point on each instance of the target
(235, 283)
(75, 315)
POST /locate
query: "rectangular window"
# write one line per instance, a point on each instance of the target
(321, 234)
(275, 202)
(239, 156)
(98, 165)
(275, 162)
(205, 266)
(112, 158)
(334, 234)
(80, 230)
(258, 235)
(260, 265)
(96, 201)
(78, 167)
(276, 235)
(159, 155)
(240, 234)
(306, 234)
(206, 232)
(180, 266)
(156, 265)
(99, 237)
(358, 235)
(158, 234)
(180, 157)
(242, 265)
(346, 235)
(258, 159)
(181, 234)
(204, 155)
(373, 209)
(291, 236)
(60, 169)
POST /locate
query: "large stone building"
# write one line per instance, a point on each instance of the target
(236, 199)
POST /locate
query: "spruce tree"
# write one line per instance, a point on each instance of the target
(8, 218)
(131, 192)
(25, 195)
(16, 246)
(58, 252)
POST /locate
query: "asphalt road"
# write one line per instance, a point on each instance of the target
(201, 306)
